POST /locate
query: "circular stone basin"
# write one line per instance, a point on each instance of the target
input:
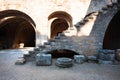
(64, 62)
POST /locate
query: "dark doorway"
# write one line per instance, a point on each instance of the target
(112, 34)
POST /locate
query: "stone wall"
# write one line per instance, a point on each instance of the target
(39, 10)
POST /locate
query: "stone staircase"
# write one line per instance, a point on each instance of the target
(65, 40)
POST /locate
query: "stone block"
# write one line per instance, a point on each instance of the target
(107, 51)
(104, 62)
(108, 55)
(41, 46)
(27, 54)
(20, 61)
(56, 37)
(64, 62)
(110, 5)
(32, 52)
(117, 55)
(46, 43)
(43, 59)
(91, 58)
(79, 59)
(105, 8)
(36, 49)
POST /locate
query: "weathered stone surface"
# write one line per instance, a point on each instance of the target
(79, 59)
(92, 58)
(47, 43)
(116, 62)
(105, 8)
(56, 37)
(43, 59)
(20, 61)
(107, 51)
(32, 52)
(117, 55)
(36, 49)
(106, 55)
(104, 62)
(110, 5)
(64, 62)
(41, 46)
(27, 54)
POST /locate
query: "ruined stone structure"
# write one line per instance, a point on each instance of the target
(88, 25)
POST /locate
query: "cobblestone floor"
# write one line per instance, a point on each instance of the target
(85, 71)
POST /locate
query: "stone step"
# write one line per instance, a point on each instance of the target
(114, 3)
(61, 35)
(104, 8)
(110, 5)
(105, 61)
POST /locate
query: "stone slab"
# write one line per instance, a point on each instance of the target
(20, 61)
(79, 59)
(104, 62)
(43, 59)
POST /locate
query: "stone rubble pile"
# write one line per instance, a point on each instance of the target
(45, 59)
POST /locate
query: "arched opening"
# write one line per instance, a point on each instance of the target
(17, 30)
(112, 34)
(58, 26)
(59, 21)
(62, 53)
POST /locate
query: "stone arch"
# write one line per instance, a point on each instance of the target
(112, 37)
(14, 26)
(56, 53)
(59, 21)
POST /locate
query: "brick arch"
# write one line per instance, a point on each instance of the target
(59, 21)
(15, 13)
(112, 38)
(61, 14)
(12, 25)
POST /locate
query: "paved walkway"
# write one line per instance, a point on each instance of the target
(85, 71)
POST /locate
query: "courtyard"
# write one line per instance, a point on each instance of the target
(29, 71)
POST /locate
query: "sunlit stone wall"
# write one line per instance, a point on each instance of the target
(39, 10)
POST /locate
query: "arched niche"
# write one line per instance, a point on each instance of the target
(58, 22)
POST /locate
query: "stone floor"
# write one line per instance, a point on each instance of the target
(28, 71)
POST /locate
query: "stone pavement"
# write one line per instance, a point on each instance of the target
(29, 71)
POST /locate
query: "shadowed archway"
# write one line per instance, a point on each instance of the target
(62, 53)
(17, 30)
(59, 21)
(112, 34)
